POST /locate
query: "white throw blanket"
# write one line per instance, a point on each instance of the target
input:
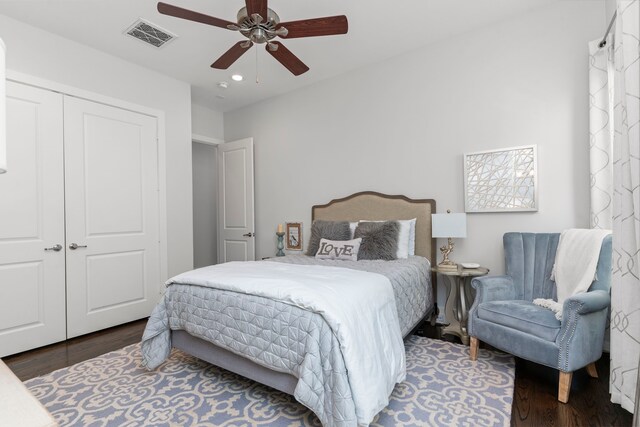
(359, 307)
(575, 265)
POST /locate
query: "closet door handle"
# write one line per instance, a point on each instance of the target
(55, 248)
(75, 246)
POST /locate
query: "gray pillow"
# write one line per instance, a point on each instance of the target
(330, 230)
(379, 240)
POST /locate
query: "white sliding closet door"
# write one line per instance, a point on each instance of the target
(111, 176)
(32, 279)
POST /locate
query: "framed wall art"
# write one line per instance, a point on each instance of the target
(294, 236)
(504, 180)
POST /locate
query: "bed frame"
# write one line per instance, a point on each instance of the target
(364, 205)
(377, 206)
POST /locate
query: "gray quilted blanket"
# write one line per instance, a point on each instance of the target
(283, 337)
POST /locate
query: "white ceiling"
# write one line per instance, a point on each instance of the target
(378, 29)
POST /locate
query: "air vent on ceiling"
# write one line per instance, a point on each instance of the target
(149, 33)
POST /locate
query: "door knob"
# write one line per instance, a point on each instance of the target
(75, 246)
(55, 248)
(249, 234)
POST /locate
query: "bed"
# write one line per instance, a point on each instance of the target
(287, 347)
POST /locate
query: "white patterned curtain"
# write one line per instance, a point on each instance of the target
(615, 184)
(625, 295)
(614, 130)
(601, 133)
(601, 101)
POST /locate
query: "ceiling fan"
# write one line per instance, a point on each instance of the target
(259, 24)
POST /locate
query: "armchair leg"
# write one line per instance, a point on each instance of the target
(473, 348)
(564, 386)
(591, 370)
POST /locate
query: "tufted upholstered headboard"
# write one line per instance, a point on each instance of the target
(376, 206)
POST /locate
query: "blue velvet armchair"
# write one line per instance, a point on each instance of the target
(504, 316)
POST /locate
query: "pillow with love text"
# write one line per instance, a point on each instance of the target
(339, 249)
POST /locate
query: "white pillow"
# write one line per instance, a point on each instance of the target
(339, 249)
(406, 241)
(404, 236)
(412, 237)
(352, 227)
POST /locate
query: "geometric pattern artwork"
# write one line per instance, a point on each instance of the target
(443, 388)
(501, 180)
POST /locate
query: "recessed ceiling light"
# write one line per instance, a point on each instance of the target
(237, 77)
(223, 85)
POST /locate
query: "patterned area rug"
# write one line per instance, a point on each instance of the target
(443, 388)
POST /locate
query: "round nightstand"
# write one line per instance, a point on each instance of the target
(460, 296)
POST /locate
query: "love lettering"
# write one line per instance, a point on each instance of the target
(327, 248)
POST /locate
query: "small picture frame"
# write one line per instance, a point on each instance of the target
(294, 236)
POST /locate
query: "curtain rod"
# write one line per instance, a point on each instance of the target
(604, 39)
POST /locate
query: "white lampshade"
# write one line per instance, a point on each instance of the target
(3, 110)
(449, 225)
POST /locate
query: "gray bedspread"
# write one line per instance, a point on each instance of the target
(283, 337)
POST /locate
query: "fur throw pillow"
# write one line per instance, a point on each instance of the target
(330, 230)
(379, 240)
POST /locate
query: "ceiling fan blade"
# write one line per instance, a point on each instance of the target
(178, 12)
(232, 55)
(288, 59)
(257, 6)
(326, 26)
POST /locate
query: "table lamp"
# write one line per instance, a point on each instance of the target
(450, 226)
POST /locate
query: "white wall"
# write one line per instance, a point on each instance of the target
(402, 126)
(47, 56)
(610, 10)
(205, 216)
(207, 122)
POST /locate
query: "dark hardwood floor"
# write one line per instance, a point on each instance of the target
(535, 394)
(31, 364)
(535, 398)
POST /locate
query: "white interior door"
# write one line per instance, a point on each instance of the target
(32, 279)
(235, 201)
(111, 179)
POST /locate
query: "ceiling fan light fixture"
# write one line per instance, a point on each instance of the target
(243, 18)
(259, 35)
(260, 25)
(256, 18)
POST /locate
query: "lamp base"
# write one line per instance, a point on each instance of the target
(448, 267)
(446, 264)
(280, 245)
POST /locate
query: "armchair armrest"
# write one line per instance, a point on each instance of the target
(489, 288)
(493, 288)
(586, 302)
(584, 319)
